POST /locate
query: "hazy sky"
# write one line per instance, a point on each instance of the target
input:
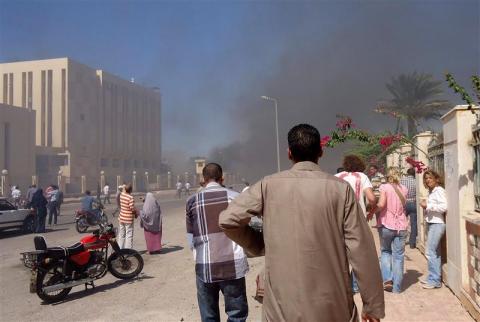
(214, 59)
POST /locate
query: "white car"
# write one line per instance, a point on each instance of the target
(11, 217)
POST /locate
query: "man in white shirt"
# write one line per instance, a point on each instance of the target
(179, 189)
(16, 194)
(106, 194)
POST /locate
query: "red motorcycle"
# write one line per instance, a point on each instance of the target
(56, 270)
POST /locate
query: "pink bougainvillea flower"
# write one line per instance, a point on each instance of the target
(344, 124)
(324, 141)
(418, 165)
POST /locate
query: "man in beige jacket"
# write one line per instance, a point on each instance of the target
(314, 229)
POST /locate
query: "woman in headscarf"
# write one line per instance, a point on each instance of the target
(151, 222)
(39, 203)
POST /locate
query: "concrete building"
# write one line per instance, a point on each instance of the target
(17, 145)
(87, 121)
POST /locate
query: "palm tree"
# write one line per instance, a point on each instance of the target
(414, 98)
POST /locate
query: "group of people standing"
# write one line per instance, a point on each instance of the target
(315, 238)
(150, 219)
(45, 203)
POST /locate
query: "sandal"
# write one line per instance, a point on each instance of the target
(388, 286)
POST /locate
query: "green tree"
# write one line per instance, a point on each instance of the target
(415, 98)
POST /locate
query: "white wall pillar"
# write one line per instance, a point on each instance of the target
(458, 167)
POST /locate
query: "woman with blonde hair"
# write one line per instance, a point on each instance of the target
(392, 226)
(435, 207)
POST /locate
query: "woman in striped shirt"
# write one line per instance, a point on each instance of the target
(126, 217)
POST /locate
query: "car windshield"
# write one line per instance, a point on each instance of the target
(5, 205)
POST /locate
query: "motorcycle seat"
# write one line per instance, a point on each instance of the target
(62, 252)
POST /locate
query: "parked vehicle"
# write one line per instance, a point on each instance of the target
(56, 270)
(85, 219)
(12, 217)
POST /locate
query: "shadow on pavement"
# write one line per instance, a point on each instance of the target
(102, 288)
(410, 278)
(169, 249)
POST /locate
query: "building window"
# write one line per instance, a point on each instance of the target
(59, 160)
(145, 164)
(24, 89)
(64, 106)
(29, 89)
(7, 146)
(104, 162)
(5, 88)
(126, 164)
(116, 163)
(136, 164)
(42, 110)
(10, 88)
(49, 107)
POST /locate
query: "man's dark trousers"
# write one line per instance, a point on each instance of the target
(411, 209)
(234, 292)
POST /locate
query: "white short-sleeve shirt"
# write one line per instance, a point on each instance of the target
(363, 183)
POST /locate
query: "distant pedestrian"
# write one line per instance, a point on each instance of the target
(151, 222)
(52, 205)
(59, 200)
(106, 194)
(187, 188)
(435, 207)
(314, 229)
(126, 218)
(411, 206)
(220, 264)
(392, 225)
(16, 195)
(179, 186)
(376, 179)
(39, 203)
(30, 192)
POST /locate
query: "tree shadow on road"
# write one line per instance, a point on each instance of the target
(102, 288)
(410, 278)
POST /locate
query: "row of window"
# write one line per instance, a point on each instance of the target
(116, 163)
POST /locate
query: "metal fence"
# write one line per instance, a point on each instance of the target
(476, 166)
(435, 155)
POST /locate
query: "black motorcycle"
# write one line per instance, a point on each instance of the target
(85, 219)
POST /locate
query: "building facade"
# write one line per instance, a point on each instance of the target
(87, 122)
(17, 146)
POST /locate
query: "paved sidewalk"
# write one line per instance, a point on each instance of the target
(416, 303)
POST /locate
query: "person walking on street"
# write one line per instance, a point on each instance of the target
(220, 264)
(352, 173)
(411, 205)
(39, 203)
(106, 194)
(435, 207)
(392, 226)
(312, 217)
(179, 189)
(59, 200)
(151, 222)
(30, 192)
(52, 205)
(187, 188)
(16, 195)
(127, 215)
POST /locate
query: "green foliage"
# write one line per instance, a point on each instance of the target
(457, 88)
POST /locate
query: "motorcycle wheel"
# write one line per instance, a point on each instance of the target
(81, 225)
(125, 264)
(50, 276)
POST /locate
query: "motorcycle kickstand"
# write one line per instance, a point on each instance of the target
(89, 284)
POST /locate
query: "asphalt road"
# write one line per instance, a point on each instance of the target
(164, 291)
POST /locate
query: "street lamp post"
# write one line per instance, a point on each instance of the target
(276, 128)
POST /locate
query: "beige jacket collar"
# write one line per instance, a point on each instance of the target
(306, 166)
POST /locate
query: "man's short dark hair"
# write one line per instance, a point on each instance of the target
(411, 172)
(304, 143)
(87, 192)
(212, 171)
(340, 170)
(128, 188)
(353, 163)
